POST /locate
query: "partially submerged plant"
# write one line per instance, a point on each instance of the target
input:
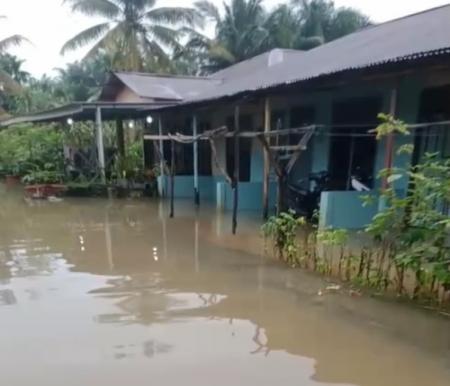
(332, 240)
(283, 231)
(413, 228)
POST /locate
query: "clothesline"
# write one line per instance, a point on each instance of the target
(223, 132)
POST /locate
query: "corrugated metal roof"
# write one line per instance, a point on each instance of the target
(258, 63)
(410, 37)
(166, 87)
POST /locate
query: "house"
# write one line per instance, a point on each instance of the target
(401, 67)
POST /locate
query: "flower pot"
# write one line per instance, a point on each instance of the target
(44, 191)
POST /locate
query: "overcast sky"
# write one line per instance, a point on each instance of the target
(48, 24)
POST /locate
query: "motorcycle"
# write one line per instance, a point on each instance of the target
(305, 201)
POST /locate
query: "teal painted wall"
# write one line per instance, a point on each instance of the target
(250, 196)
(409, 91)
(184, 187)
(344, 210)
(257, 162)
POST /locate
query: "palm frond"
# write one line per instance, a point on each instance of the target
(165, 35)
(104, 8)
(85, 37)
(108, 43)
(11, 41)
(157, 60)
(307, 43)
(174, 15)
(219, 52)
(208, 9)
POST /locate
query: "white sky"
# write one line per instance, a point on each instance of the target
(49, 24)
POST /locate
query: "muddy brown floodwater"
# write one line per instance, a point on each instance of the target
(112, 293)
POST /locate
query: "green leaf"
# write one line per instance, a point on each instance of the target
(394, 177)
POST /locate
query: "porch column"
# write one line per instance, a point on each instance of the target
(266, 161)
(120, 137)
(100, 148)
(236, 168)
(195, 144)
(162, 158)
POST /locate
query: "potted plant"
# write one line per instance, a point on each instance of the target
(13, 172)
(41, 184)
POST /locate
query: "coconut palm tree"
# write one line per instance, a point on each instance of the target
(8, 86)
(12, 65)
(284, 26)
(320, 18)
(240, 33)
(246, 29)
(135, 33)
(10, 41)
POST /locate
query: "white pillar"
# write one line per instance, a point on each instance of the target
(100, 147)
(194, 133)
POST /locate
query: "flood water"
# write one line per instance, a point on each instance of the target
(112, 293)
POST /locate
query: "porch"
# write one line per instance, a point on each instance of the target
(342, 144)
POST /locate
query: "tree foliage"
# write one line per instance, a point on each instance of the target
(78, 81)
(135, 34)
(246, 28)
(8, 85)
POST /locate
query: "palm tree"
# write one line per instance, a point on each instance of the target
(306, 24)
(247, 29)
(12, 65)
(10, 41)
(321, 19)
(240, 33)
(8, 86)
(284, 26)
(135, 33)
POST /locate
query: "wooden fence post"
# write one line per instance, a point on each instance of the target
(195, 145)
(267, 118)
(236, 169)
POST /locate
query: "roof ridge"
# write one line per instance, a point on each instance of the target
(407, 16)
(374, 26)
(253, 58)
(156, 75)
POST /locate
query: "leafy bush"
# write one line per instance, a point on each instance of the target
(413, 229)
(25, 149)
(283, 231)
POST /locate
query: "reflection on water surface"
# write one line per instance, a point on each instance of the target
(109, 293)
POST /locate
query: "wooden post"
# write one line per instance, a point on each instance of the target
(389, 149)
(100, 147)
(172, 178)
(266, 161)
(281, 180)
(195, 145)
(236, 169)
(161, 159)
(351, 163)
(120, 137)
